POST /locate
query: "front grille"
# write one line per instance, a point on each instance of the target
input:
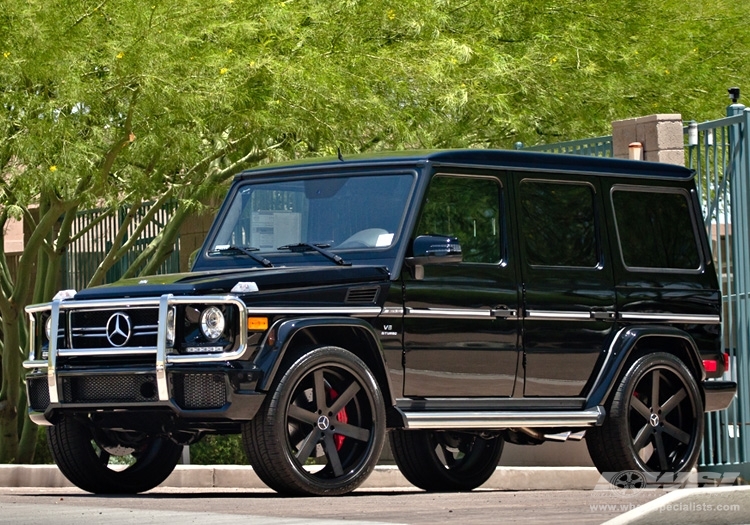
(38, 394)
(200, 391)
(88, 328)
(110, 389)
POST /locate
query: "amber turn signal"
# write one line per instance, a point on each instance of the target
(257, 323)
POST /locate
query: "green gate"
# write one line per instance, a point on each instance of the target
(719, 152)
(94, 232)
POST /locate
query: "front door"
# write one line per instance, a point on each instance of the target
(460, 319)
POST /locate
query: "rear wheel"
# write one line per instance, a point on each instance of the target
(107, 462)
(322, 429)
(445, 461)
(655, 421)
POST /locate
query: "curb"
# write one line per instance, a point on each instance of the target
(384, 476)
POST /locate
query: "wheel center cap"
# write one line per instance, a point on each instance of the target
(654, 420)
(323, 423)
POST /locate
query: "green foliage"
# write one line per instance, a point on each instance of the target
(106, 103)
(42, 455)
(218, 450)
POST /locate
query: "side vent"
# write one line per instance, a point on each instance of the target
(362, 295)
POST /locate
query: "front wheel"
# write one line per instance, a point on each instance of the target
(445, 461)
(109, 462)
(655, 421)
(321, 430)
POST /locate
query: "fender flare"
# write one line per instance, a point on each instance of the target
(623, 346)
(270, 357)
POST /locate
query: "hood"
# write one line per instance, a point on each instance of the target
(221, 281)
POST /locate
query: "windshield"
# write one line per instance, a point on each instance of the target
(361, 212)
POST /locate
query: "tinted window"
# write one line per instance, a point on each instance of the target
(655, 229)
(557, 224)
(467, 208)
(358, 212)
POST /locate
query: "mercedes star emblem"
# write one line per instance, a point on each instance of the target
(118, 329)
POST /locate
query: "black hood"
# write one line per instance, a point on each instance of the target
(221, 282)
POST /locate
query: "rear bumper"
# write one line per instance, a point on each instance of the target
(718, 394)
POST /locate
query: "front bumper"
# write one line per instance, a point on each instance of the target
(142, 378)
(198, 393)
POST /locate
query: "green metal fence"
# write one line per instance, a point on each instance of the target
(94, 234)
(596, 147)
(719, 152)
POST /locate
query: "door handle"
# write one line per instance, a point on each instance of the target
(504, 313)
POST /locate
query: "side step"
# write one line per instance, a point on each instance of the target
(496, 420)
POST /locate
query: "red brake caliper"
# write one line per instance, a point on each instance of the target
(338, 439)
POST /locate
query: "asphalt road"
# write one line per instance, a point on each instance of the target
(168, 506)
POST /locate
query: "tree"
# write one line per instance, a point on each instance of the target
(114, 103)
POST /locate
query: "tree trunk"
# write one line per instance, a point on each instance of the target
(11, 389)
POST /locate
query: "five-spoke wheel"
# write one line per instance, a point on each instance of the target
(321, 430)
(655, 420)
(110, 462)
(445, 461)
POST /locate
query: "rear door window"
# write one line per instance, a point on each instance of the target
(558, 226)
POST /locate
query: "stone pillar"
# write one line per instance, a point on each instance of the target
(661, 136)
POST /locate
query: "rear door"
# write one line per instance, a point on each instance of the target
(568, 298)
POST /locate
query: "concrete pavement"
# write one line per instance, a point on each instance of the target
(725, 505)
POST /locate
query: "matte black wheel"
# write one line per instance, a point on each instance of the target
(445, 461)
(108, 462)
(654, 422)
(322, 429)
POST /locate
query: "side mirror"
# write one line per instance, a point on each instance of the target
(433, 249)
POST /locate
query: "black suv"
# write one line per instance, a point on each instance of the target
(454, 299)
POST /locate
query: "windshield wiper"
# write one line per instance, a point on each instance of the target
(247, 250)
(320, 248)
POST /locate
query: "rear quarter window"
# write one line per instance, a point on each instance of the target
(656, 229)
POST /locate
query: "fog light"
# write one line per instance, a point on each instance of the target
(212, 323)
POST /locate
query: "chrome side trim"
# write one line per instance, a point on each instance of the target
(356, 311)
(671, 318)
(444, 420)
(555, 315)
(451, 313)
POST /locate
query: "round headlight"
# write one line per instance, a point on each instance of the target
(212, 323)
(170, 327)
(48, 328)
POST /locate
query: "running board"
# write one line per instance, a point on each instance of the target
(496, 420)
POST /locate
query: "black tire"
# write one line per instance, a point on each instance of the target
(84, 454)
(445, 461)
(654, 423)
(326, 410)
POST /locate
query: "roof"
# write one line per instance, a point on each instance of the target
(482, 158)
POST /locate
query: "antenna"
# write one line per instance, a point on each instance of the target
(341, 157)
